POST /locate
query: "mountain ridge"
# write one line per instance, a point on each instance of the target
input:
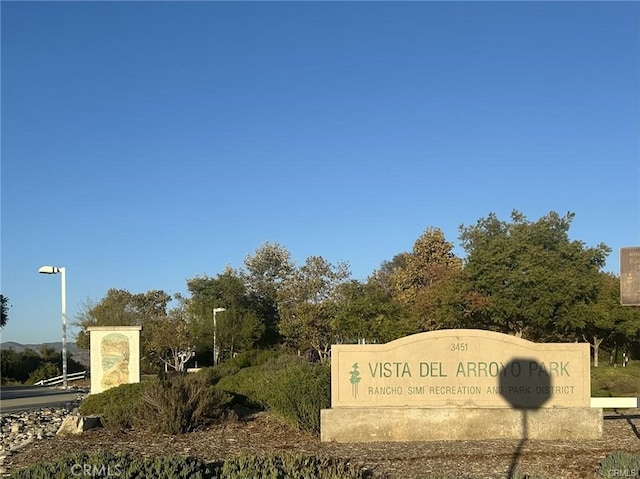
(80, 355)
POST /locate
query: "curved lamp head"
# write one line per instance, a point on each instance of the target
(219, 310)
(49, 269)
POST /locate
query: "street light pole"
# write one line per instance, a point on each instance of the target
(63, 293)
(215, 328)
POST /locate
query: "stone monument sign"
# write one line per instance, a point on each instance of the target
(630, 276)
(457, 374)
(115, 356)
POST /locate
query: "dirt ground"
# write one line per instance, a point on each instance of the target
(261, 433)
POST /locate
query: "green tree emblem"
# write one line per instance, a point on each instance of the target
(354, 380)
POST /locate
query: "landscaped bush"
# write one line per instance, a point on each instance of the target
(118, 407)
(113, 464)
(620, 464)
(248, 386)
(290, 466)
(297, 394)
(292, 388)
(608, 381)
(246, 359)
(45, 371)
(181, 404)
(110, 464)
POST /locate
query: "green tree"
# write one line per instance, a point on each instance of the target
(4, 310)
(239, 327)
(429, 282)
(385, 275)
(430, 261)
(605, 318)
(266, 271)
(306, 302)
(8, 362)
(46, 370)
(19, 365)
(170, 338)
(529, 274)
(121, 308)
(367, 312)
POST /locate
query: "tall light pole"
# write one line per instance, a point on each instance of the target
(61, 270)
(215, 328)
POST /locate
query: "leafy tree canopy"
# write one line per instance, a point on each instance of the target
(530, 272)
(121, 308)
(4, 310)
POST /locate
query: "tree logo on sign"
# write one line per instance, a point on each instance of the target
(355, 379)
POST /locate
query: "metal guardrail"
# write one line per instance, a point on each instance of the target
(59, 379)
(616, 403)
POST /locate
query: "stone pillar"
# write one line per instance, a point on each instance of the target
(115, 356)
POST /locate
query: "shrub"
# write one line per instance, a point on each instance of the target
(255, 357)
(45, 371)
(246, 359)
(290, 465)
(291, 388)
(118, 407)
(113, 464)
(615, 381)
(248, 386)
(181, 404)
(620, 464)
(297, 395)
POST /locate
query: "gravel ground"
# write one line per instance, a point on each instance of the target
(260, 433)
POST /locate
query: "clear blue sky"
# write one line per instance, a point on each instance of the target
(146, 143)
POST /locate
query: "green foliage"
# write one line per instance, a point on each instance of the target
(291, 388)
(252, 357)
(20, 366)
(430, 261)
(114, 464)
(620, 464)
(239, 327)
(181, 404)
(369, 311)
(4, 310)
(297, 395)
(118, 407)
(170, 338)
(290, 465)
(119, 307)
(45, 371)
(608, 381)
(531, 272)
(307, 305)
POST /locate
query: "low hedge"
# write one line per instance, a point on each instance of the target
(620, 464)
(118, 407)
(113, 464)
(292, 388)
(179, 405)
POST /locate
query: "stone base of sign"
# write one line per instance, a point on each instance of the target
(458, 424)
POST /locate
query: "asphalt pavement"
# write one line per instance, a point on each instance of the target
(15, 399)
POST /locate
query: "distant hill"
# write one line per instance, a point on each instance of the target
(80, 355)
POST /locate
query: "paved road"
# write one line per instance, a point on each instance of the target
(26, 398)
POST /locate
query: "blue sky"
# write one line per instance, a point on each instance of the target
(145, 143)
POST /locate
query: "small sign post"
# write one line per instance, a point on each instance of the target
(630, 276)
